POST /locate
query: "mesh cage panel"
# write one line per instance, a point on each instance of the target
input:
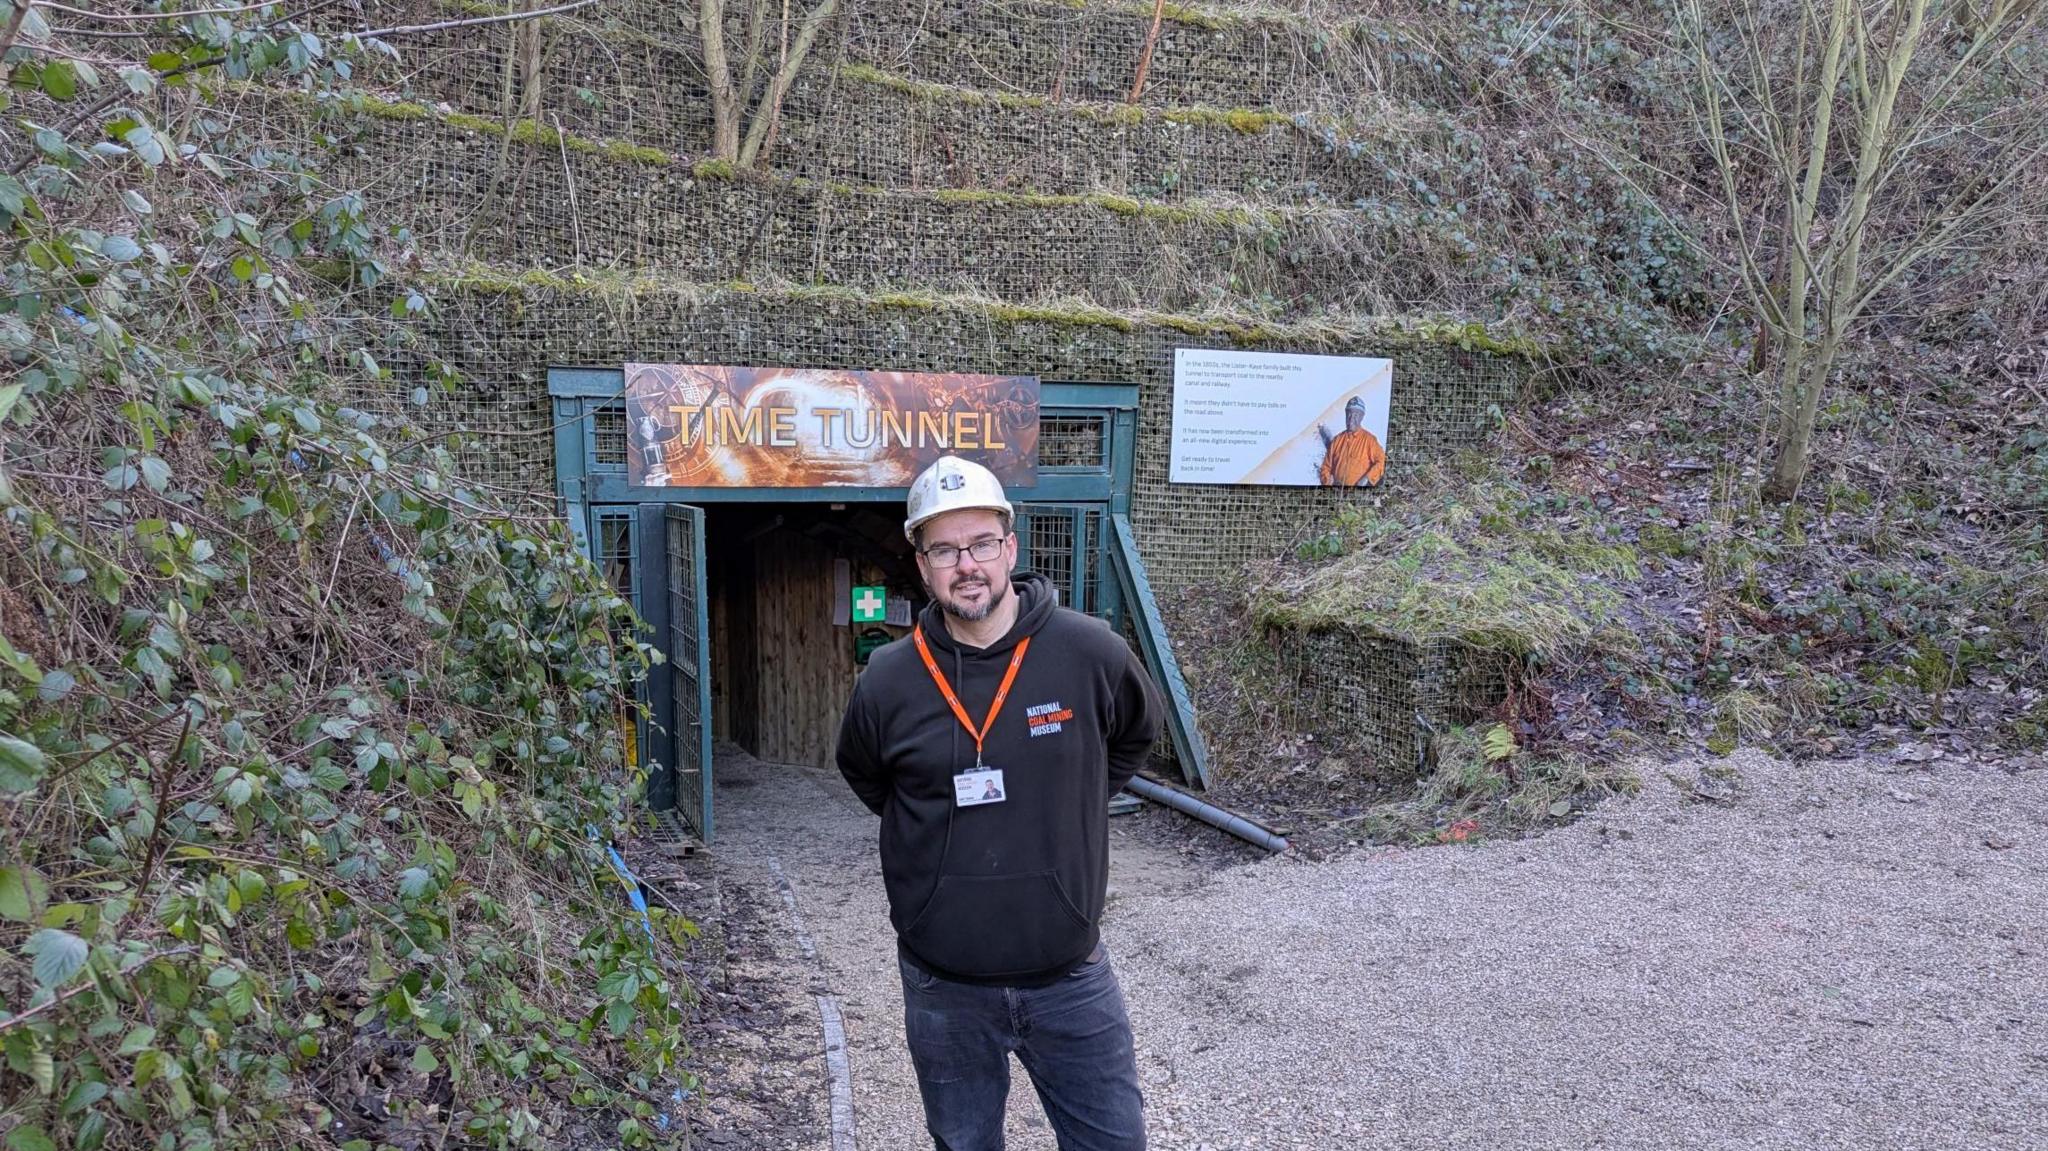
(1072, 441)
(1052, 550)
(1385, 696)
(608, 435)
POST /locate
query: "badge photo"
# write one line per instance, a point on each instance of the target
(982, 785)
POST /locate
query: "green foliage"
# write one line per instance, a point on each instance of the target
(1484, 784)
(302, 740)
(1481, 569)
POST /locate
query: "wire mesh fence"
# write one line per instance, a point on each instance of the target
(641, 60)
(994, 96)
(540, 200)
(1386, 697)
(502, 337)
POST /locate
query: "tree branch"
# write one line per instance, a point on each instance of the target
(725, 117)
(118, 17)
(1145, 57)
(770, 111)
(7, 39)
(471, 22)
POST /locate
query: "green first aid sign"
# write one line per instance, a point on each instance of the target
(870, 605)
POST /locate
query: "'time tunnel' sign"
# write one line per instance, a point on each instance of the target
(698, 425)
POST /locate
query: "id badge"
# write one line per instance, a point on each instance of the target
(979, 786)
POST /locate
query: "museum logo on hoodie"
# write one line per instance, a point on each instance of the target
(1047, 718)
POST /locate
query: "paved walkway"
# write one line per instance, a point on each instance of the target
(1846, 955)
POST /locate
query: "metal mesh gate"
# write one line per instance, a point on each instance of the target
(688, 684)
(1062, 542)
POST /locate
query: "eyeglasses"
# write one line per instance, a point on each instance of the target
(946, 555)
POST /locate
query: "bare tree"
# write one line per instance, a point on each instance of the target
(1854, 140)
(728, 100)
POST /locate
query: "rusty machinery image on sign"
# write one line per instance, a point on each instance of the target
(708, 426)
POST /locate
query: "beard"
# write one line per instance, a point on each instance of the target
(974, 613)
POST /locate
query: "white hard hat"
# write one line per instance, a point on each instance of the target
(949, 485)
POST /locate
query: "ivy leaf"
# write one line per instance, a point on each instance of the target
(120, 249)
(57, 683)
(146, 144)
(60, 81)
(152, 1064)
(618, 1017)
(150, 664)
(29, 1139)
(58, 956)
(14, 199)
(23, 892)
(137, 1041)
(83, 1096)
(21, 764)
(423, 1060)
(241, 998)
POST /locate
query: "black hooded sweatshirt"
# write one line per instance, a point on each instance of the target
(1006, 893)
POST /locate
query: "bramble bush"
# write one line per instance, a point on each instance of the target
(302, 743)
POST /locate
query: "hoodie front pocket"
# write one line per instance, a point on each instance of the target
(998, 925)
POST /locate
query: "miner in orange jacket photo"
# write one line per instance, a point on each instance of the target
(1354, 457)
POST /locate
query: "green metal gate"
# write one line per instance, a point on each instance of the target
(1065, 543)
(689, 666)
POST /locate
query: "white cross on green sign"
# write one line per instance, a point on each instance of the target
(870, 605)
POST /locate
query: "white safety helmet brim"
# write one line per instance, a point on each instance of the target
(952, 484)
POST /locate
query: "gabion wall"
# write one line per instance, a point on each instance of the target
(503, 339)
(889, 102)
(539, 201)
(1387, 697)
(648, 49)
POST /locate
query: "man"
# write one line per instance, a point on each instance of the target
(997, 902)
(1354, 457)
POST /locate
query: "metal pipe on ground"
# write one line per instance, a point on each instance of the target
(1208, 813)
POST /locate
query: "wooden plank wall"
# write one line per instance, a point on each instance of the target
(743, 650)
(719, 562)
(803, 670)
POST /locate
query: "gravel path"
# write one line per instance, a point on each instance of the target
(1845, 954)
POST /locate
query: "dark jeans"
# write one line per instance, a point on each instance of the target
(1074, 1039)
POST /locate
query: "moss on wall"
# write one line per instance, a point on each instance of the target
(1389, 333)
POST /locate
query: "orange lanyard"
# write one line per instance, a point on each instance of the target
(946, 689)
